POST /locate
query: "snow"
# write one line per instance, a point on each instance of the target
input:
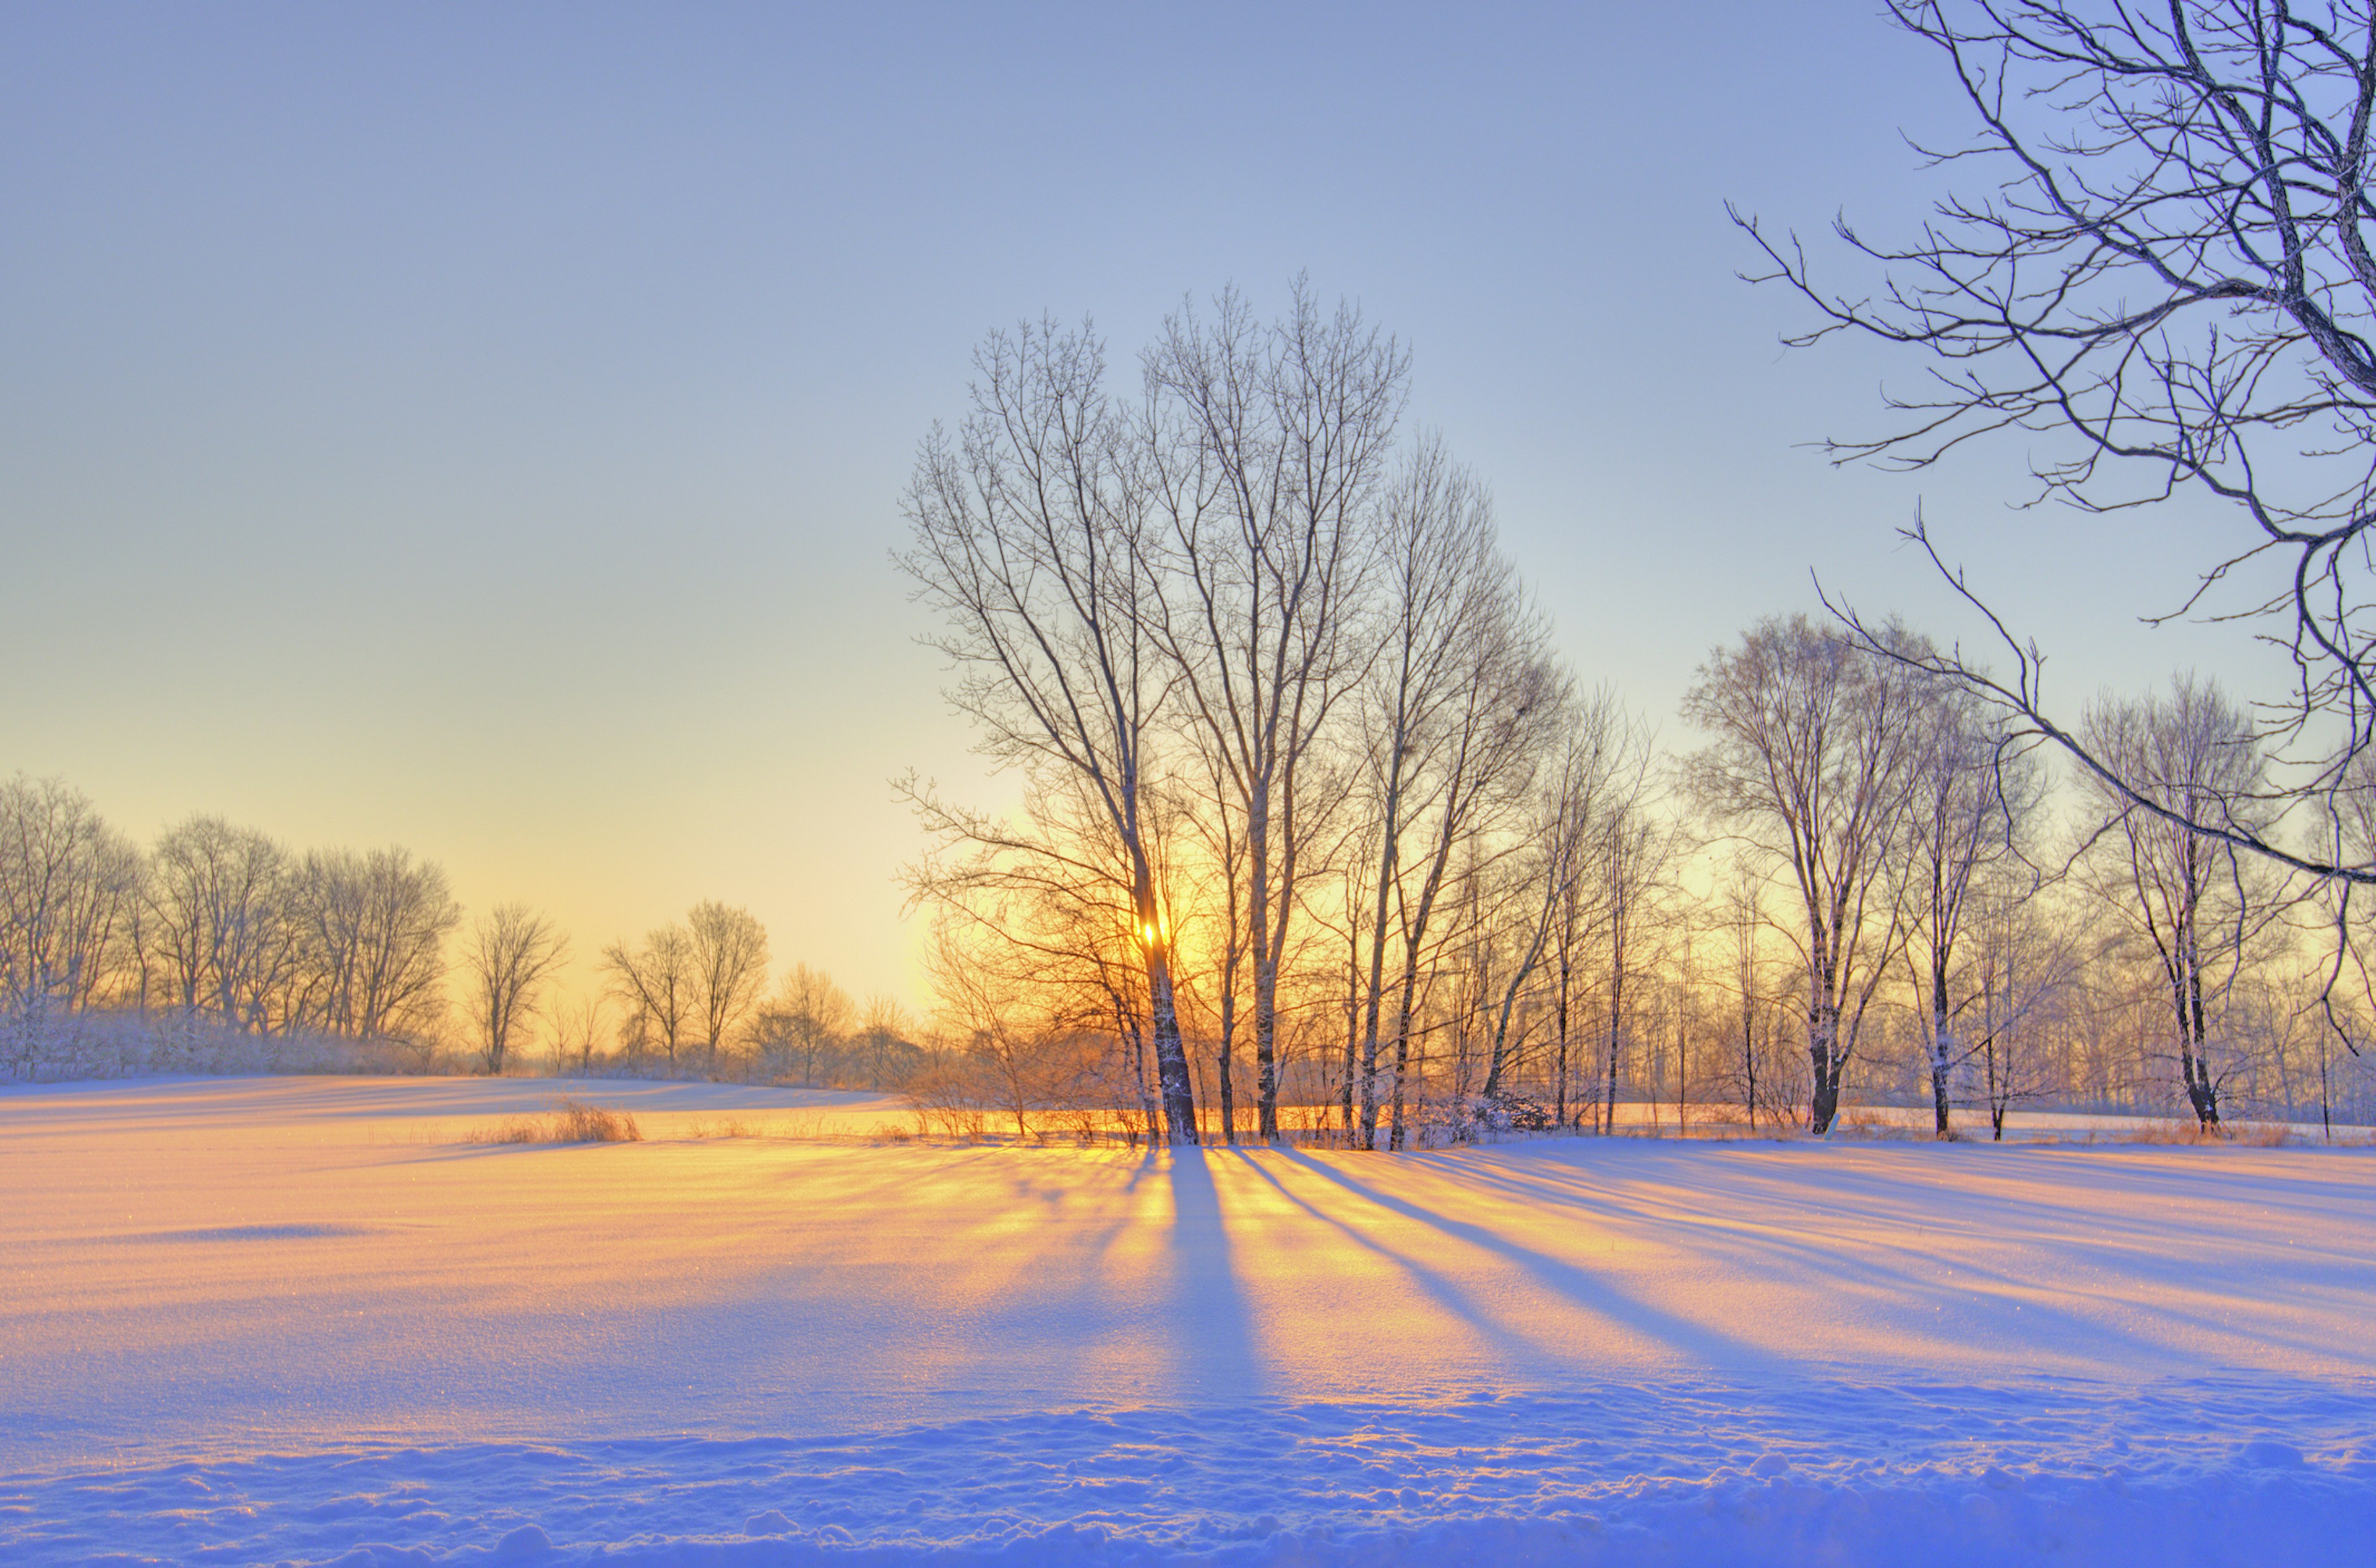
(305, 1320)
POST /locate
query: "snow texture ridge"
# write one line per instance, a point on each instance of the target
(1676, 1473)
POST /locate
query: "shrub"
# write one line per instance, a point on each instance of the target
(569, 1121)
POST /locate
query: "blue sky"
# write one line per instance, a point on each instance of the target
(482, 428)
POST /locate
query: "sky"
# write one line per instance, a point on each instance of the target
(481, 429)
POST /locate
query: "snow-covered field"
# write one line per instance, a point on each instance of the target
(306, 1320)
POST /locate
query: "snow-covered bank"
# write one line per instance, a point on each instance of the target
(280, 1319)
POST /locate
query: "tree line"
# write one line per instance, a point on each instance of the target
(1317, 828)
(119, 957)
(213, 922)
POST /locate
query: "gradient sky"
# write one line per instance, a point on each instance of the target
(482, 428)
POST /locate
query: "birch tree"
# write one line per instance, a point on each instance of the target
(1633, 847)
(2189, 896)
(1476, 765)
(1445, 592)
(1601, 771)
(1810, 764)
(1973, 794)
(2023, 964)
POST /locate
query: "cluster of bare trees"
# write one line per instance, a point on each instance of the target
(1312, 814)
(114, 957)
(2159, 273)
(689, 984)
(692, 997)
(810, 1032)
(70, 902)
(218, 930)
(1313, 819)
(2116, 953)
(214, 923)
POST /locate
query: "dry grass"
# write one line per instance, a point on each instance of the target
(2230, 1134)
(1875, 1125)
(725, 1127)
(569, 1121)
(2249, 1134)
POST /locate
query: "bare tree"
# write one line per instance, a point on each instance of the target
(1266, 444)
(1012, 1055)
(1574, 833)
(1600, 774)
(806, 1022)
(1635, 848)
(882, 1037)
(2168, 274)
(655, 982)
(1477, 765)
(2189, 896)
(1028, 536)
(373, 928)
(69, 895)
(1810, 762)
(1217, 828)
(578, 1031)
(729, 968)
(215, 928)
(1744, 918)
(2022, 968)
(511, 954)
(1447, 591)
(1973, 798)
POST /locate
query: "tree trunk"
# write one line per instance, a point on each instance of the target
(1823, 1059)
(1171, 1058)
(1526, 967)
(1352, 1037)
(1171, 1055)
(1258, 911)
(2202, 1094)
(1403, 1010)
(1376, 992)
(1941, 1044)
(1229, 1094)
(1147, 1113)
(1616, 1014)
(1558, 1110)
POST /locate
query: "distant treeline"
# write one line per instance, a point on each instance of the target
(218, 948)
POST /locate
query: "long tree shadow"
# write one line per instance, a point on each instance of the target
(2082, 1304)
(1212, 1338)
(1708, 1346)
(1445, 1293)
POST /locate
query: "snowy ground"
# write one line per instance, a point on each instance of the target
(303, 1320)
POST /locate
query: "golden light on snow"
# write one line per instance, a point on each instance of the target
(299, 1261)
(212, 1234)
